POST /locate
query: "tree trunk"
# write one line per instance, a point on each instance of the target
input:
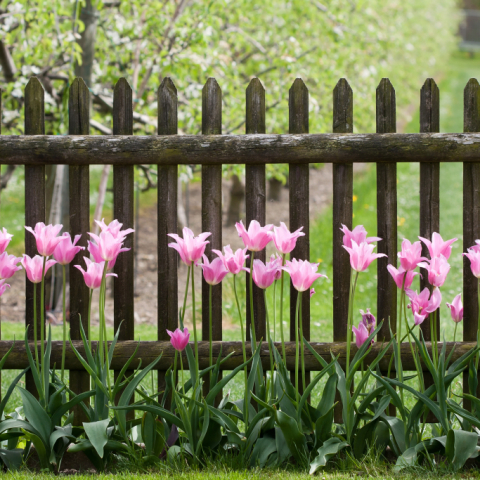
(6, 61)
(237, 195)
(88, 16)
(274, 190)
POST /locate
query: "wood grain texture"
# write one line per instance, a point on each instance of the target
(79, 191)
(386, 214)
(239, 149)
(342, 211)
(471, 219)
(34, 201)
(151, 350)
(255, 196)
(167, 292)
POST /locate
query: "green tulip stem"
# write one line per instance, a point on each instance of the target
(182, 316)
(297, 350)
(195, 323)
(64, 324)
(284, 354)
(252, 312)
(268, 339)
(35, 324)
(302, 347)
(42, 325)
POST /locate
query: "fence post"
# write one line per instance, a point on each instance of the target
(342, 214)
(34, 202)
(79, 124)
(212, 209)
(299, 201)
(255, 194)
(167, 221)
(471, 220)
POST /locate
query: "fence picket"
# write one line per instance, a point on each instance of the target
(386, 213)
(34, 201)
(299, 200)
(471, 219)
(167, 309)
(79, 183)
(255, 194)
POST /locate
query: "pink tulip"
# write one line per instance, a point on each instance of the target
(312, 292)
(189, 247)
(256, 237)
(3, 287)
(437, 246)
(284, 240)
(214, 272)
(106, 246)
(97, 257)
(361, 334)
(263, 275)
(358, 235)
(94, 273)
(114, 227)
(422, 305)
(474, 256)
(65, 251)
(411, 255)
(456, 308)
(437, 269)
(476, 248)
(361, 256)
(369, 320)
(5, 238)
(46, 237)
(399, 276)
(8, 265)
(233, 261)
(302, 273)
(179, 339)
(275, 263)
(34, 267)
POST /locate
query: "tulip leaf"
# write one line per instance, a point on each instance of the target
(323, 427)
(96, 432)
(11, 387)
(264, 447)
(36, 415)
(118, 384)
(58, 414)
(206, 423)
(460, 447)
(295, 439)
(329, 449)
(12, 459)
(33, 366)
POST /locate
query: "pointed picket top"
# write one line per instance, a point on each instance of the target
(211, 108)
(386, 107)
(79, 108)
(429, 107)
(471, 106)
(167, 107)
(342, 107)
(122, 108)
(255, 103)
(34, 107)
(298, 107)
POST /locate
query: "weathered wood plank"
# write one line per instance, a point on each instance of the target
(79, 183)
(255, 195)
(151, 350)
(299, 198)
(167, 293)
(471, 219)
(240, 149)
(34, 201)
(386, 214)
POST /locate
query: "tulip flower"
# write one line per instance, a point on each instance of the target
(437, 246)
(34, 267)
(107, 247)
(97, 257)
(411, 255)
(302, 273)
(456, 308)
(358, 235)
(312, 292)
(284, 240)
(189, 247)
(361, 334)
(361, 256)
(94, 273)
(423, 304)
(474, 256)
(213, 272)
(275, 263)
(400, 276)
(3, 287)
(233, 261)
(5, 238)
(114, 227)
(8, 265)
(369, 320)
(179, 339)
(65, 251)
(263, 275)
(437, 269)
(46, 237)
(256, 237)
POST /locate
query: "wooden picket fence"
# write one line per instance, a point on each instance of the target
(298, 148)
